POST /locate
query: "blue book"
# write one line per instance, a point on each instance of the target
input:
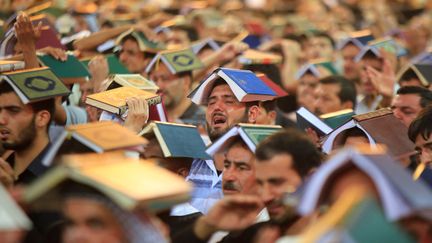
(245, 85)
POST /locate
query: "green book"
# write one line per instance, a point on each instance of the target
(367, 223)
(177, 140)
(114, 65)
(177, 61)
(35, 84)
(251, 134)
(71, 68)
(338, 118)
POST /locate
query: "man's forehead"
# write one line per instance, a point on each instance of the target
(10, 99)
(221, 90)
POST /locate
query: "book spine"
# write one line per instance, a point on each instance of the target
(154, 100)
(11, 66)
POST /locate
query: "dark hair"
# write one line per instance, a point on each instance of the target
(220, 81)
(190, 31)
(342, 138)
(422, 125)
(48, 105)
(304, 153)
(324, 35)
(270, 70)
(347, 88)
(408, 75)
(425, 94)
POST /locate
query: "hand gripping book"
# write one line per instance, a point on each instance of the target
(245, 85)
(114, 100)
(94, 137)
(130, 183)
(379, 126)
(35, 84)
(306, 119)
(251, 134)
(114, 65)
(70, 71)
(177, 140)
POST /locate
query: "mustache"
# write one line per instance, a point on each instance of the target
(229, 185)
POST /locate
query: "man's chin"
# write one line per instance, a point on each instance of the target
(276, 212)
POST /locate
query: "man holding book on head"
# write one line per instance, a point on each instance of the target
(24, 122)
(282, 163)
(334, 93)
(409, 101)
(172, 73)
(227, 105)
(136, 50)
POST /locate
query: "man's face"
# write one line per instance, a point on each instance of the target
(319, 47)
(406, 107)
(351, 68)
(17, 127)
(90, 221)
(223, 111)
(424, 146)
(178, 37)
(172, 88)
(327, 99)
(132, 57)
(306, 91)
(274, 178)
(367, 86)
(239, 171)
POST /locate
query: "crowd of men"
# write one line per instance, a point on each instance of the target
(314, 55)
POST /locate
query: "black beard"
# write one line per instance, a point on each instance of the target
(215, 135)
(25, 138)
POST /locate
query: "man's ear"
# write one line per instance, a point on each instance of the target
(253, 114)
(42, 118)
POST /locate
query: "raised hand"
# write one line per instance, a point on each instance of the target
(25, 32)
(57, 53)
(99, 70)
(230, 213)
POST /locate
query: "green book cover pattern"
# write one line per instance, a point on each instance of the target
(258, 134)
(182, 61)
(183, 141)
(367, 223)
(71, 68)
(336, 121)
(39, 84)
